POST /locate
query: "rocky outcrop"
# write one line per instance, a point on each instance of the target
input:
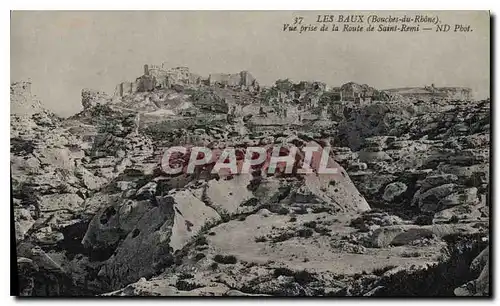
(92, 98)
(481, 285)
(22, 102)
(427, 153)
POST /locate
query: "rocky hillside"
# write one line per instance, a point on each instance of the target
(407, 215)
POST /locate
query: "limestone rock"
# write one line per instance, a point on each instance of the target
(92, 98)
(393, 190)
(429, 201)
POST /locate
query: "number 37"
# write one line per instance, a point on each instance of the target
(298, 20)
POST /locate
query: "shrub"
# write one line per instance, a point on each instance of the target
(225, 217)
(283, 211)
(381, 271)
(311, 224)
(201, 240)
(301, 277)
(410, 254)
(260, 239)
(304, 232)
(214, 266)
(322, 230)
(199, 256)
(225, 259)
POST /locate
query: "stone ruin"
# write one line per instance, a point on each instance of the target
(163, 77)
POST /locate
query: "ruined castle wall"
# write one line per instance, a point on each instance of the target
(247, 79)
(218, 78)
(125, 88)
(244, 78)
(234, 80)
(146, 83)
(347, 93)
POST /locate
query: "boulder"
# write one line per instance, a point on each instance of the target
(481, 285)
(393, 190)
(383, 237)
(434, 180)
(411, 235)
(467, 196)
(429, 201)
(147, 191)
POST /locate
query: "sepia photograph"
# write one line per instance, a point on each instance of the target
(250, 153)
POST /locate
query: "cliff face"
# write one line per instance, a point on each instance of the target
(96, 214)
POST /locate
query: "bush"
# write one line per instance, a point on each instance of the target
(424, 220)
(20, 146)
(260, 239)
(381, 271)
(223, 259)
(201, 240)
(304, 232)
(199, 256)
(301, 277)
(225, 217)
(282, 237)
(311, 224)
(250, 202)
(185, 275)
(322, 230)
(283, 211)
(453, 219)
(282, 271)
(411, 254)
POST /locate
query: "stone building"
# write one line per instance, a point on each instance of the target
(163, 77)
(158, 77)
(243, 78)
(357, 93)
(126, 88)
(146, 83)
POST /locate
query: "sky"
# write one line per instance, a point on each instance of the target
(62, 52)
